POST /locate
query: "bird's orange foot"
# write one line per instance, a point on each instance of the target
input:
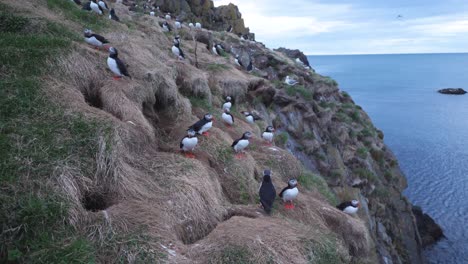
(240, 156)
(190, 155)
(206, 134)
(288, 206)
(117, 78)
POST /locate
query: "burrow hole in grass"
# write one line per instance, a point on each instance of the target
(97, 201)
(92, 96)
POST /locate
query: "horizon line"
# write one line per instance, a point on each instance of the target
(370, 54)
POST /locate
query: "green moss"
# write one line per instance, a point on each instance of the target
(233, 255)
(282, 138)
(366, 174)
(217, 67)
(362, 153)
(301, 90)
(323, 251)
(355, 116)
(309, 180)
(309, 135)
(74, 12)
(199, 102)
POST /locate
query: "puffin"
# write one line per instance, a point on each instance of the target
(94, 39)
(203, 125)
(289, 81)
(152, 13)
(188, 143)
(268, 134)
(289, 193)
(166, 27)
(217, 49)
(116, 65)
(228, 103)
(96, 8)
(168, 16)
(103, 5)
(198, 25)
(177, 51)
(176, 40)
(227, 117)
(191, 25)
(350, 207)
(249, 67)
(113, 16)
(87, 6)
(249, 117)
(267, 192)
(229, 29)
(178, 24)
(240, 144)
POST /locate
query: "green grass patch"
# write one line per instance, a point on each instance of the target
(309, 180)
(217, 67)
(362, 152)
(301, 90)
(309, 135)
(324, 251)
(233, 255)
(87, 19)
(282, 138)
(199, 102)
(355, 116)
(224, 154)
(366, 174)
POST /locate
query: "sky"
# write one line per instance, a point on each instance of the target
(325, 27)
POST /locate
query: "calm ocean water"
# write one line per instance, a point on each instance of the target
(427, 131)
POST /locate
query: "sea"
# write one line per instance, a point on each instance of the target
(427, 131)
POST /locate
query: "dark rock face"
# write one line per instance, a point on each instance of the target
(456, 91)
(429, 230)
(294, 54)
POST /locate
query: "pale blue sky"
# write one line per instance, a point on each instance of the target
(358, 26)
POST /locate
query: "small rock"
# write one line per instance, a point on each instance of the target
(456, 91)
(429, 230)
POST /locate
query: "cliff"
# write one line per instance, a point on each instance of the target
(91, 170)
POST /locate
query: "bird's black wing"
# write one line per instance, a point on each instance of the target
(281, 193)
(235, 142)
(342, 206)
(181, 53)
(100, 38)
(198, 125)
(122, 67)
(105, 4)
(240, 62)
(115, 17)
(181, 144)
(87, 6)
(232, 118)
(250, 67)
(267, 195)
(100, 8)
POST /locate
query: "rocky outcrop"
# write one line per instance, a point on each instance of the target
(429, 230)
(455, 91)
(295, 54)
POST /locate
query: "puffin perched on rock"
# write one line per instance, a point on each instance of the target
(203, 125)
(240, 144)
(250, 117)
(289, 193)
(96, 8)
(228, 103)
(198, 25)
(177, 51)
(176, 40)
(267, 192)
(239, 63)
(227, 117)
(188, 143)
(349, 207)
(95, 40)
(116, 65)
(165, 26)
(269, 134)
(229, 29)
(113, 16)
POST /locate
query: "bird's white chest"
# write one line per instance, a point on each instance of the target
(290, 194)
(93, 41)
(214, 51)
(198, 25)
(168, 17)
(206, 127)
(242, 144)
(350, 210)
(178, 25)
(189, 144)
(151, 13)
(165, 28)
(113, 66)
(227, 105)
(237, 62)
(250, 119)
(268, 136)
(227, 118)
(95, 8)
(175, 50)
(103, 5)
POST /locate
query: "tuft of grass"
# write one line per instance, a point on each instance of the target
(282, 138)
(362, 152)
(345, 94)
(309, 180)
(355, 116)
(301, 90)
(199, 102)
(217, 67)
(233, 255)
(309, 135)
(84, 18)
(224, 154)
(324, 251)
(366, 174)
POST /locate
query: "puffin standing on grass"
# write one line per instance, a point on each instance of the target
(96, 8)
(203, 125)
(188, 143)
(350, 207)
(227, 117)
(113, 16)
(228, 103)
(95, 40)
(177, 51)
(240, 144)
(218, 49)
(103, 5)
(178, 24)
(239, 63)
(268, 134)
(116, 65)
(289, 193)
(176, 40)
(249, 117)
(267, 192)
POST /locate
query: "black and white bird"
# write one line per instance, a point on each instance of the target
(227, 117)
(188, 143)
(229, 29)
(198, 25)
(178, 24)
(269, 134)
(116, 65)
(87, 6)
(217, 49)
(95, 40)
(203, 125)
(289, 193)
(113, 16)
(96, 8)
(228, 103)
(350, 207)
(176, 40)
(240, 144)
(103, 5)
(152, 13)
(177, 51)
(191, 25)
(165, 26)
(168, 16)
(267, 192)
(249, 117)
(290, 81)
(239, 63)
